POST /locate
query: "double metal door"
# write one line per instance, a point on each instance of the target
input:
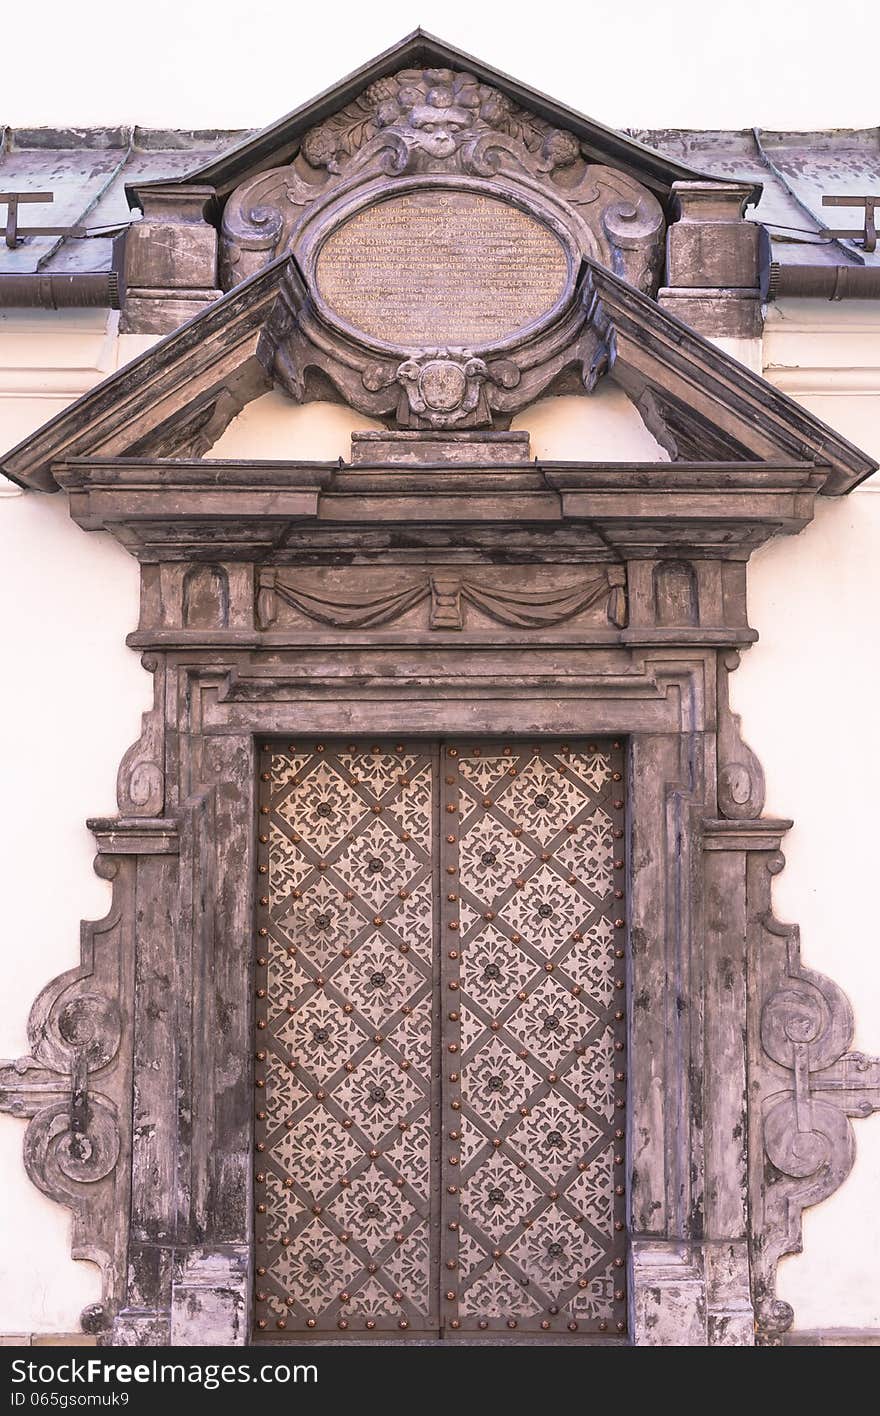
(440, 1030)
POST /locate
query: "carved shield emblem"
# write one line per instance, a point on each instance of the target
(442, 385)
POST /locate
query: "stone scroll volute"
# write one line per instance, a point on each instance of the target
(741, 787)
(140, 782)
(805, 1085)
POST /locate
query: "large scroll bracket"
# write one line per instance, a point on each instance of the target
(72, 1090)
(807, 1086)
(75, 1085)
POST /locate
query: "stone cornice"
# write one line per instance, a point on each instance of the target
(178, 509)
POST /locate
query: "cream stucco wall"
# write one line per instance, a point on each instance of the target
(806, 693)
(212, 62)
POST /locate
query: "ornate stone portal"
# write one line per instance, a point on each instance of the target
(437, 255)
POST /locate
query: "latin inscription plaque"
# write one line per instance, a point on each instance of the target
(441, 268)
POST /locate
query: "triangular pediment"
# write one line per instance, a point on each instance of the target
(177, 398)
(278, 144)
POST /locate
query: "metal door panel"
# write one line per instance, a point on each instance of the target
(346, 1182)
(439, 1076)
(533, 980)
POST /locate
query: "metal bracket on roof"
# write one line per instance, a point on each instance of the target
(867, 237)
(14, 232)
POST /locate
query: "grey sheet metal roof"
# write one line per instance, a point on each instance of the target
(797, 170)
(88, 170)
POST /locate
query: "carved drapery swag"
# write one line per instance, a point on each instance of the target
(511, 604)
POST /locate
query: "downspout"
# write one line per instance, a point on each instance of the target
(58, 291)
(854, 281)
(101, 288)
(824, 282)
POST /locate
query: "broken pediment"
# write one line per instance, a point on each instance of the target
(437, 248)
(175, 400)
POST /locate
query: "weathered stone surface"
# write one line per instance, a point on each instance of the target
(420, 449)
(170, 261)
(713, 261)
(136, 1329)
(210, 1299)
(730, 1315)
(716, 313)
(669, 1294)
(711, 244)
(441, 267)
(162, 310)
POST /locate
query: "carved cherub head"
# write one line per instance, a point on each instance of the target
(439, 123)
(435, 111)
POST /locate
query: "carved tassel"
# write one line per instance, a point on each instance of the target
(267, 603)
(617, 596)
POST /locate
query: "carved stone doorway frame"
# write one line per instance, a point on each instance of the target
(440, 583)
(161, 1009)
(139, 1079)
(667, 711)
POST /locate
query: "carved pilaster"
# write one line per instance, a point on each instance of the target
(727, 850)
